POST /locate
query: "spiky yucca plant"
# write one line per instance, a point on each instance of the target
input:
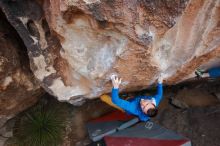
(41, 126)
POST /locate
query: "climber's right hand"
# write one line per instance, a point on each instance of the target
(115, 81)
(160, 78)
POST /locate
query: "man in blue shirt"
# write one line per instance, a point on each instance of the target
(142, 106)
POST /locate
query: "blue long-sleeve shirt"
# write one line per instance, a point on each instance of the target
(133, 106)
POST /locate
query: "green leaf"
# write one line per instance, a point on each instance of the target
(41, 126)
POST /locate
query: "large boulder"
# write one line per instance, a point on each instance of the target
(18, 87)
(75, 45)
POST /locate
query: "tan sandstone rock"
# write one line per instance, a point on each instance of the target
(75, 45)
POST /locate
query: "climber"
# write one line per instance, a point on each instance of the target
(212, 73)
(142, 106)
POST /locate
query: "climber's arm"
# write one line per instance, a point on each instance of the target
(159, 94)
(124, 104)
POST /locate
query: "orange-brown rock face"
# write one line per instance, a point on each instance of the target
(75, 45)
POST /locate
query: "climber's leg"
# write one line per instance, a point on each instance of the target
(107, 99)
(214, 72)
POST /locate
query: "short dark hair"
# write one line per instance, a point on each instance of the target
(152, 112)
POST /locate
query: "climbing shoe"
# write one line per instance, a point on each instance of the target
(199, 73)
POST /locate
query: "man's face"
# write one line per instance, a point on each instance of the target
(146, 105)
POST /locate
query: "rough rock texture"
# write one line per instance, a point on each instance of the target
(18, 87)
(74, 45)
(199, 124)
(194, 97)
(199, 121)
